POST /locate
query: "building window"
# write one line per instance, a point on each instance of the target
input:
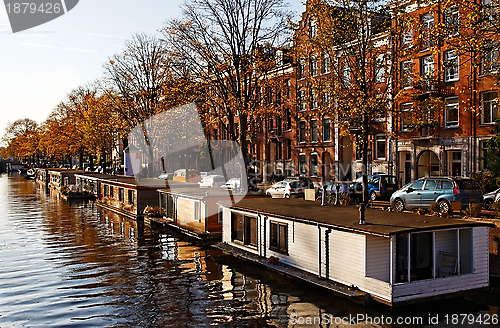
(302, 164)
(407, 37)
(489, 106)
(301, 68)
(450, 63)
(111, 191)
(106, 190)
(380, 146)
(327, 99)
(489, 61)
(288, 149)
(327, 129)
(131, 198)
(406, 110)
(288, 92)
(314, 165)
(313, 66)
(427, 67)
(380, 69)
(346, 75)
(456, 163)
(427, 26)
(279, 237)
(313, 28)
(302, 131)
(451, 112)
(490, 10)
(451, 20)
(314, 100)
(279, 151)
(302, 100)
(288, 118)
(279, 99)
(314, 130)
(406, 74)
(121, 194)
(483, 156)
(326, 63)
(244, 229)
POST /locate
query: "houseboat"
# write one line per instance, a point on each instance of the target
(193, 210)
(126, 196)
(42, 178)
(395, 258)
(59, 178)
(89, 182)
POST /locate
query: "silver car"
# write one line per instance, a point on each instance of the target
(490, 198)
(423, 192)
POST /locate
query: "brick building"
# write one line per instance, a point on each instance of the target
(430, 129)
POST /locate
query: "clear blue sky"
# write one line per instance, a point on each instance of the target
(40, 66)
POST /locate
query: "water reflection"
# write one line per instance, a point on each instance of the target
(75, 265)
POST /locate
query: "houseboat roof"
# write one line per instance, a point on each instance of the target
(196, 192)
(95, 175)
(378, 222)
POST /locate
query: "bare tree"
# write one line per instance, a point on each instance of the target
(136, 77)
(228, 45)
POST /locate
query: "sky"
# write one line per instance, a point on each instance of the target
(41, 65)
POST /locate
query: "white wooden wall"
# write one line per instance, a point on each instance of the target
(378, 259)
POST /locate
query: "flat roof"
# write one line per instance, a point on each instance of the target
(378, 221)
(197, 192)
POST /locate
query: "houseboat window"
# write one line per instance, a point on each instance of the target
(121, 195)
(237, 227)
(106, 190)
(170, 206)
(111, 189)
(420, 255)
(279, 237)
(131, 197)
(465, 236)
(197, 214)
(244, 229)
(251, 231)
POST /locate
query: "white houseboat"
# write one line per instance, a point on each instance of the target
(395, 257)
(193, 210)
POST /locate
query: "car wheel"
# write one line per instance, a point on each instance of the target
(488, 203)
(268, 194)
(373, 196)
(287, 195)
(399, 205)
(444, 207)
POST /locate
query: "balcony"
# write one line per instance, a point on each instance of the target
(431, 87)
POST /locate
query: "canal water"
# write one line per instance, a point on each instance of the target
(74, 265)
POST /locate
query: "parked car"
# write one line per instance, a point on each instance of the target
(166, 176)
(490, 198)
(287, 189)
(212, 181)
(341, 192)
(193, 176)
(380, 185)
(423, 192)
(232, 184)
(304, 181)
